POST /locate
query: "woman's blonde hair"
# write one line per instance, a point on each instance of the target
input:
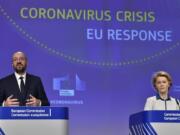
(161, 74)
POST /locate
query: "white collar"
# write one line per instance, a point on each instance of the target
(18, 75)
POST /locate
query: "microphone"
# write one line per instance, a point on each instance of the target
(177, 102)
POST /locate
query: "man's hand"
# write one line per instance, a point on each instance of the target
(10, 101)
(33, 101)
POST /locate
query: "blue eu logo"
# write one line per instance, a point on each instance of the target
(67, 85)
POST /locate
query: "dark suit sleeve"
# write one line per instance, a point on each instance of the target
(1, 93)
(42, 95)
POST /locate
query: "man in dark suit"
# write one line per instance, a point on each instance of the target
(21, 88)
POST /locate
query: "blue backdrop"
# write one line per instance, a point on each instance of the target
(95, 57)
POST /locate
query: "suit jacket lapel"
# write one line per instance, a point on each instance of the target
(15, 83)
(27, 84)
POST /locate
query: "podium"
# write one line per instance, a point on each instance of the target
(33, 121)
(155, 123)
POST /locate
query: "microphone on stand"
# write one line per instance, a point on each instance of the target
(177, 101)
